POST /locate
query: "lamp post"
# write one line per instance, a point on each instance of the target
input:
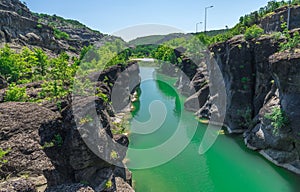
(206, 17)
(197, 26)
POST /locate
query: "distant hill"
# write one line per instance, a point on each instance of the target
(159, 39)
(155, 39)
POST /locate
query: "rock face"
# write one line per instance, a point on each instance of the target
(16, 6)
(245, 69)
(66, 149)
(20, 124)
(257, 80)
(272, 22)
(280, 146)
(20, 27)
(3, 83)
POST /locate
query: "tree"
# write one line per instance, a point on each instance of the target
(42, 62)
(8, 67)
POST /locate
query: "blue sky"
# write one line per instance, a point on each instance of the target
(109, 16)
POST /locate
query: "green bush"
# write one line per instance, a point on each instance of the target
(253, 32)
(56, 141)
(108, 184)
(15, 93)
(39, 26)
(291, 42)
(60, 34)
(279, 119)
(53, 90)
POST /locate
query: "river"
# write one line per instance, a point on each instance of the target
(227, 166)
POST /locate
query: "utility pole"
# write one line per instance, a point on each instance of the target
(289, 16)
(206, 17)
(197, 26)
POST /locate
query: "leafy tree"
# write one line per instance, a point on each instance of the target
(8, 67)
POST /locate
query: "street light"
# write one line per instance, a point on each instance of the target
(206, 17)
(197, 26)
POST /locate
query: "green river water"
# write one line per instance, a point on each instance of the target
(227, 167)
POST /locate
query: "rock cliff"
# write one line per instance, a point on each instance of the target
(280, 144)
(45, 150)
(262, 92)
(20, 27)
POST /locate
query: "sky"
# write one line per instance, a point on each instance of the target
(119, 16)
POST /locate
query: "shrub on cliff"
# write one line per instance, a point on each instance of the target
(15, 93)
(253, 32)
(279, 119)
(60, 34)
(291, 41)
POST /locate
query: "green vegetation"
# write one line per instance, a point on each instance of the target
(246, 117)
(3, 153)
(114, 155)
(279, 119)
(60, 34)
(121, 127)
(48, 145)
(57, 75)
(108, 184)
(153, 39)
(39, 26)
(57, 21)
(56, 141)
(85, 120)
(103, 96)
(84, 182)
(247, 24)
(290, 42)
(166, 53)
(253, 32)
(15, 93)
(24, 67)
(30, 66)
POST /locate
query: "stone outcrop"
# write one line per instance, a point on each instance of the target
(20, 124)
(280, 146)
(65, 148)
(245, 69)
